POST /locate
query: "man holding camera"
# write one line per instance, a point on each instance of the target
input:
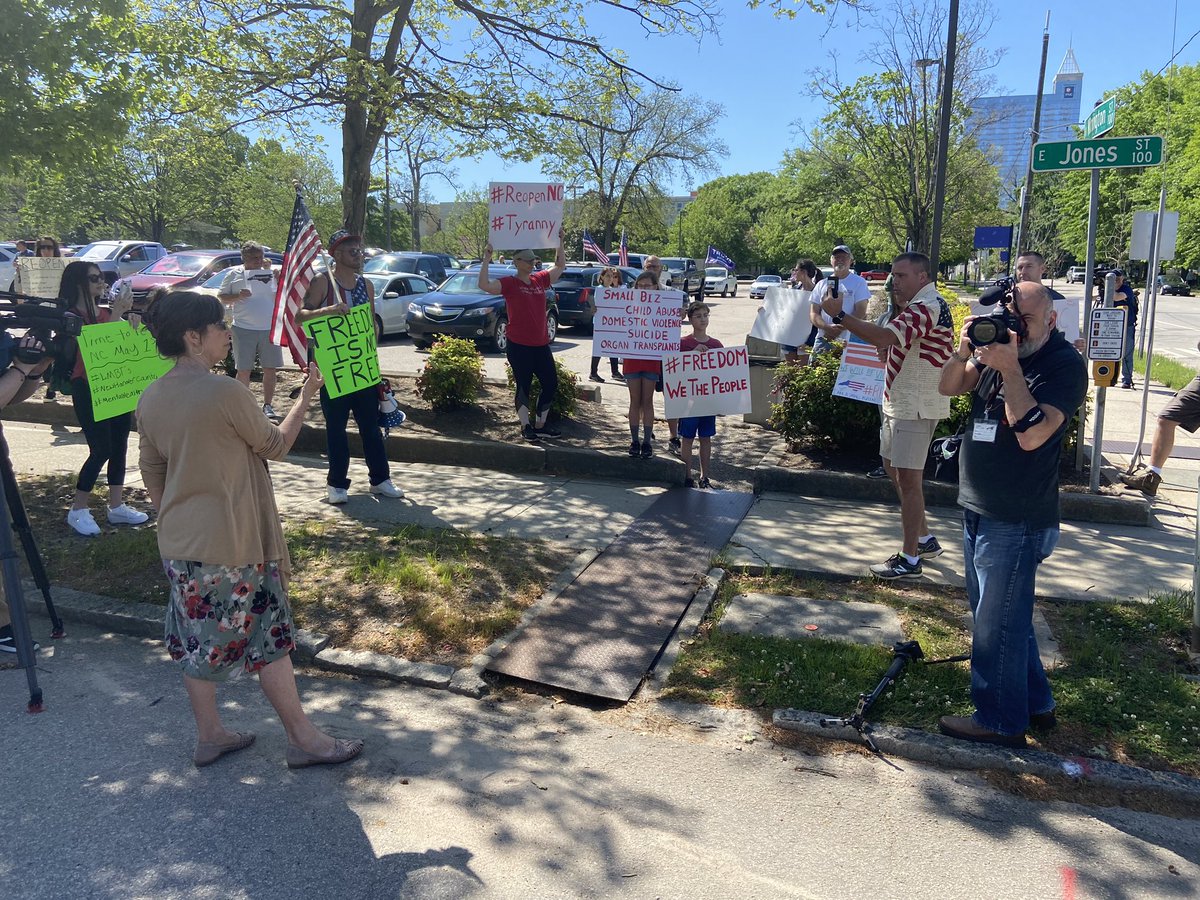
(1025, 383)
(918, 342)
(1126, 298)
(17, 382)
(848, 288)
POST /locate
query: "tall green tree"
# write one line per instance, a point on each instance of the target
(265, 193)
(727, 213)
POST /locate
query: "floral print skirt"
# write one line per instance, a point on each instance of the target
(225, 620)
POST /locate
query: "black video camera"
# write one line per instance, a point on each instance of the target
(45, 319)
(1100, 273)
(994, 328)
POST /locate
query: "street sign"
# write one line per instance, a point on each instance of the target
(1106, 336)
(1105, 153)
(1100, 120)
(990, 237)
(1143, 230)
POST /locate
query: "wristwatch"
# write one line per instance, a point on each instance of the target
(837, 320)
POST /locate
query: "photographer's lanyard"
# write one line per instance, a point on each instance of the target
(984, 429)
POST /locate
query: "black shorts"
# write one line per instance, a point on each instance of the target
(1184, 407)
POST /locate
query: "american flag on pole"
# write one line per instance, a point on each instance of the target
(590, 246)
(623, 253)
(303, 245)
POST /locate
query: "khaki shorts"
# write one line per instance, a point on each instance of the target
(904, 443)
(248, 343)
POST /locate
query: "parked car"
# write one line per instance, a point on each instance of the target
(393, 293)
(1076, 274)
(179, 271)
(117, 259)
(575, 294)
(758, 289)
(459, 308)
(874, 275)
(719, 278)
(687, 274)
(427, 264)
(1169, 284)
(8, 266)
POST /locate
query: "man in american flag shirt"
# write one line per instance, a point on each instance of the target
(917, 342)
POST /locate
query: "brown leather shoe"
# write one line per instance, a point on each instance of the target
(965, 729)
(208, 752)
(1146, 481)
(343, 751)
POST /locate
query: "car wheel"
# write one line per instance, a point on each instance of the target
(422, 343)
(551, 326)
(378, 330)
(735, 289)
(500, 337)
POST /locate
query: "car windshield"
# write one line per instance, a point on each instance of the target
(98, 251)
(571, 279)
(185, 264)
(717, 271)
(464, 283)
(379, 282)
(769, 279)
(384, 263)
(214, 280)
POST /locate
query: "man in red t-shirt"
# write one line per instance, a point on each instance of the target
(528, 348)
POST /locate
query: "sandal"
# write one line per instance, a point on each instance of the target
(208, 752)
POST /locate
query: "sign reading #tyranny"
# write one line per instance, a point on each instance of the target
(524, 215)
(120, 362)
(707, 382)
(344, 350)
(633, 323)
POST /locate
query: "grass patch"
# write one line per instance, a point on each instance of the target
(1120, 692)
(1164, 370)
(428, 594)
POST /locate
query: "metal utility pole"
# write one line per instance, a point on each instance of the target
(387, 191)
(1034, 137)
(939, 189)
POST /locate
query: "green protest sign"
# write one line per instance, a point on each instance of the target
(120, 362)
(344, 350)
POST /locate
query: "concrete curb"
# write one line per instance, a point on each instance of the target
(1075, 507)
(947, 752)
(699, 608)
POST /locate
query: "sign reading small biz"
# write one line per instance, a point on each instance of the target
(524, 216)
(633, 323)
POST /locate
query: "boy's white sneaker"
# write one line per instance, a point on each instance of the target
(81, 520)
(387, 489)
(338, 496)
(126, 515)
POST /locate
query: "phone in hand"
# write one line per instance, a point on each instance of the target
(834, 290)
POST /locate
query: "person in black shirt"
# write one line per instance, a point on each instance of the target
(1024, 393)
(1126, 297)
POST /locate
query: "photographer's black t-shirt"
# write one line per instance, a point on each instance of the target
(1000, 480)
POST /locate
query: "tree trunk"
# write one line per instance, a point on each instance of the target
(356, 167)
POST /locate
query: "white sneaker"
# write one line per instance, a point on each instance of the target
(338, 496)
(387, 489)
(125, 515)
(269, 411)
(81, 520)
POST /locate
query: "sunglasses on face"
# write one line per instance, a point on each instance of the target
(45, 246)
(95, 279)
(353, 251)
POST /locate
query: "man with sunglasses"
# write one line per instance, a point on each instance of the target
(249, 291)
(1024, 391)
(334, 294)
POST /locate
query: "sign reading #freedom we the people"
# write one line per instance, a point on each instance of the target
(524, 216)
(633, 323)
(120, 362)
(707, 382)
(344, 350)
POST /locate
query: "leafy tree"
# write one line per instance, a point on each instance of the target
(264, 193)
(727, 213)
(421, 152)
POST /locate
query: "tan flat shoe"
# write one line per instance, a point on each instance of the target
(343, 751)
(208, 753)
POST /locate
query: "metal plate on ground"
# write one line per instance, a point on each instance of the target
(606, 629)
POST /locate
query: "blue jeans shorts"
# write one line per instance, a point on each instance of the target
(690, 426)
(649, 376)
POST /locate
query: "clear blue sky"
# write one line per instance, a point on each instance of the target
(757, 67)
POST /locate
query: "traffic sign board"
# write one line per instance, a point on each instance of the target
(1104, 153)
(1100, 120)
(1106, 336)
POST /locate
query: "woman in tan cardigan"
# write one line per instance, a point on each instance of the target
(204, 446)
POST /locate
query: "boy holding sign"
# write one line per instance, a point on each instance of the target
(691, 426)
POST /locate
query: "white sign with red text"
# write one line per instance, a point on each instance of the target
(524, 215)
(707, 382)
(633, 323)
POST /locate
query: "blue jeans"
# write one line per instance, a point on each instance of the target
(364, 406)
(1008, 683)
(1127, 359)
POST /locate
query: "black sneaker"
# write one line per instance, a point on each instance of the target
(689, 482)
(897, 568)
(647, 450)
(595, 376)
(1146, 481)
(617, 376)
(879, 472)
(1046, 721)
(529, 433)
(8, 645)
(547, 430)
(705, 484)
(635, 448)
(929, 549)
(675, 443)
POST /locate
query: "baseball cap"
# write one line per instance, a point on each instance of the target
(524, 254)
(1120, 272)
(840, 248)
(340, 237)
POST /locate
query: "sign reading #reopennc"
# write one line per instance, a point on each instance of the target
(707, 382)
(633, 323)
(525, 215)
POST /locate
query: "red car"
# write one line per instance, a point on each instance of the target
(185, 269)
(874, 275)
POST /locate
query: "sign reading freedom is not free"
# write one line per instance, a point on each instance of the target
(633, 323)
(707, 382)
(344, 350)
(120, 362)
(524, 216)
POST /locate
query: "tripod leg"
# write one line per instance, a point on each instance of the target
(20, 524)
(20, 622)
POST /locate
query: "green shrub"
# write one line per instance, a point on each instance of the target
(453, 374)
(808, 409)
(564, 398)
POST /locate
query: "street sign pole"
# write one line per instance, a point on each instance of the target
(1093, 217)
(1110, 289)
(1153, 251)
(1148, 325)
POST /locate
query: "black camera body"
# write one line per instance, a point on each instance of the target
(1100, 273)
(994, 328)
(46, 320)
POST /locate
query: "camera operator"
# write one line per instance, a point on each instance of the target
(1126, 297)
(17, 382)
(1031, 266)
(1024, 391)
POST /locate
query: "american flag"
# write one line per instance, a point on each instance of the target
(623, 253)
(590, 246)
(303, 245)
(926, 327)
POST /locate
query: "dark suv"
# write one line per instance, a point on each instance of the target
(576, 291)
(459, 308)
(428, 264)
